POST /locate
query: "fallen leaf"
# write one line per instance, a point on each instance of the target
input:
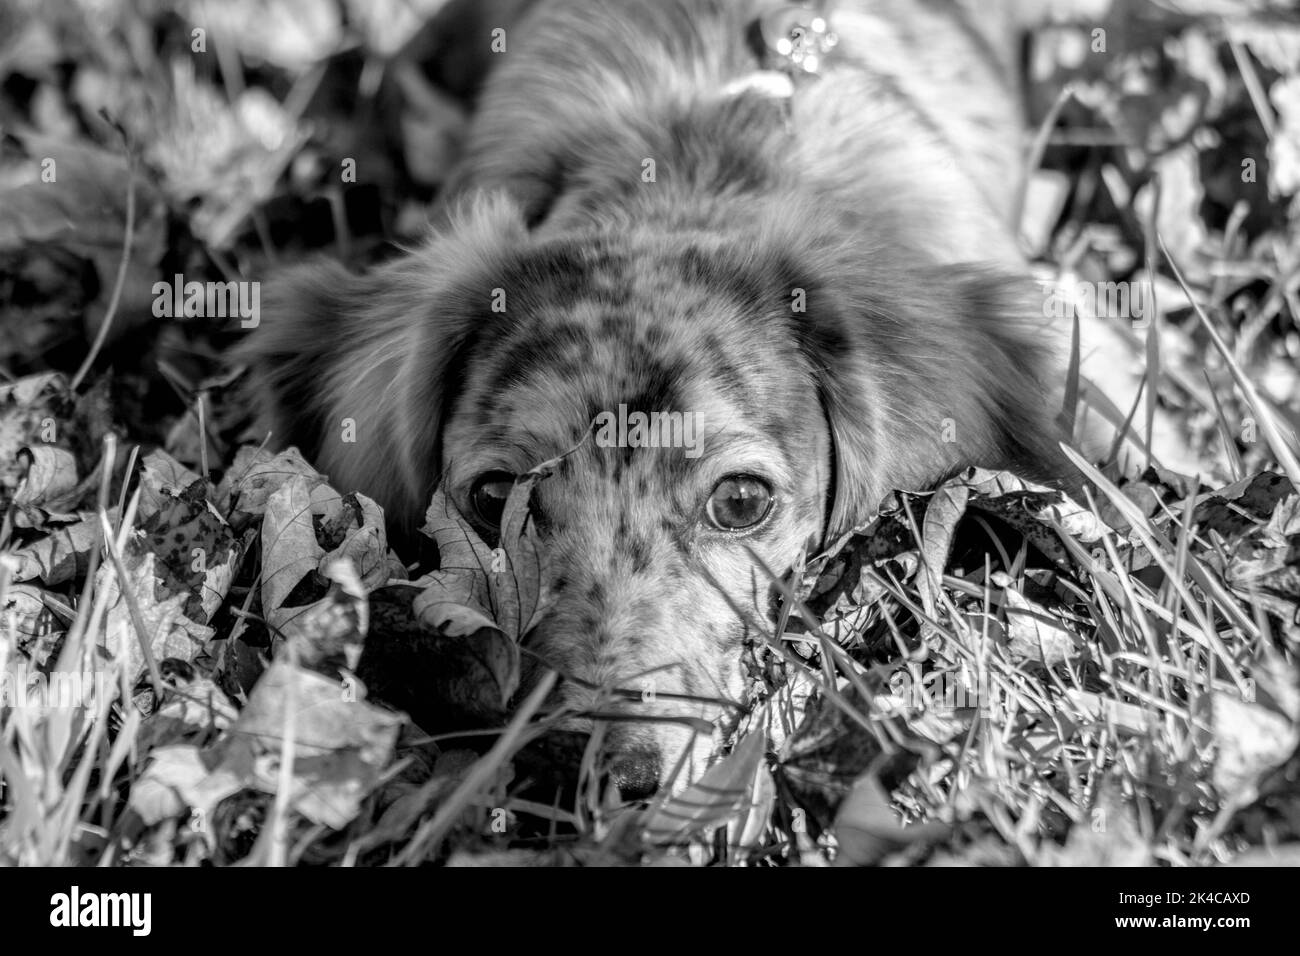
(727, 791)
(169, 632)
(257, 474)
(164, 790)
(162, 479)
(486, 599)
(333, 630)
(363, 542)
(867, 828)
(27, 615)
(449, 604)
(64, 552)
(192, 710)
(290, 552)
(196, 549)
(1033, 632)
(341, 744)
(30, 411)
(942, 515)
(1107, 836)
(1254, 735)
(341, 747)
(51, 477)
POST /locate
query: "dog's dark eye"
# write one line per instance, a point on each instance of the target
(740, 501)
(489, 495)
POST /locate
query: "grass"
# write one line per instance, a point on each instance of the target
(987, 673)
(1122, 703)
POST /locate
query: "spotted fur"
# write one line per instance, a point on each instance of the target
(875, 199)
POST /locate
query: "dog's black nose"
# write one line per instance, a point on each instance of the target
(635, 774)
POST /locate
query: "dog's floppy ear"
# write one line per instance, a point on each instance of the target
(925, 370)
(354, 369)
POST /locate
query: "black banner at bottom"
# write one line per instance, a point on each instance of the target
(139, 906)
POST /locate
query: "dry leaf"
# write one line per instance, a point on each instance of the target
(51, 477)
(1253, 736)
(727, 791)
(257, 474)
(169, 632)
(162, 478)
(868, 829)
(290, 552)
(64, 552)
(1033, 632)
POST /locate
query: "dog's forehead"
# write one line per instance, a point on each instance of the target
(645, 401)
(594, 331)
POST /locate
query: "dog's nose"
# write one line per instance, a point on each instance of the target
(635, 774)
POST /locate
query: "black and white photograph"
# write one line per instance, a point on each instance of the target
(585, 434)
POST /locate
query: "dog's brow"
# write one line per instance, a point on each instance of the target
(744, 450)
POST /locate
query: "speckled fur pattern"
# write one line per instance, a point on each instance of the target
(875, 198)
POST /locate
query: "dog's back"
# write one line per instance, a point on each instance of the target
(916, 100)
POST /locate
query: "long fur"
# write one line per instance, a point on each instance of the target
(831, 281)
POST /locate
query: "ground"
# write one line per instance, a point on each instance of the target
(211, 655)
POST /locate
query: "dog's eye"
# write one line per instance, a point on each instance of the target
(738, 502)
(489, 495)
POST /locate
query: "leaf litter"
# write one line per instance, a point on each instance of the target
(988, 672)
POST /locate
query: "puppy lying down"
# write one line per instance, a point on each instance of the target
(664, 208)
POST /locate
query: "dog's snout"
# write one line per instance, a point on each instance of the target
(636, 774)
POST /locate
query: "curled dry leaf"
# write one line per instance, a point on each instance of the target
(63, 553)
(1033, 510)
(294, 558)
(942, 515)
(165, 789)
(730, 790)
(450, 605)
(193, 710)
(27, 615)
(48, 486)
(341, 746)
(362, 541)
(30, 409)
(333, 630)
(485, 598)
(868, 829)
(257, 474)
(162, 479)
(1033, 632)
(1256, 732)
(1262, 566)
(290, 552)
(168, 630)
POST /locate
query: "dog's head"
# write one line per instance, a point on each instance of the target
(724, 403)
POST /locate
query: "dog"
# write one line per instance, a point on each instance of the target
(664, 210)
